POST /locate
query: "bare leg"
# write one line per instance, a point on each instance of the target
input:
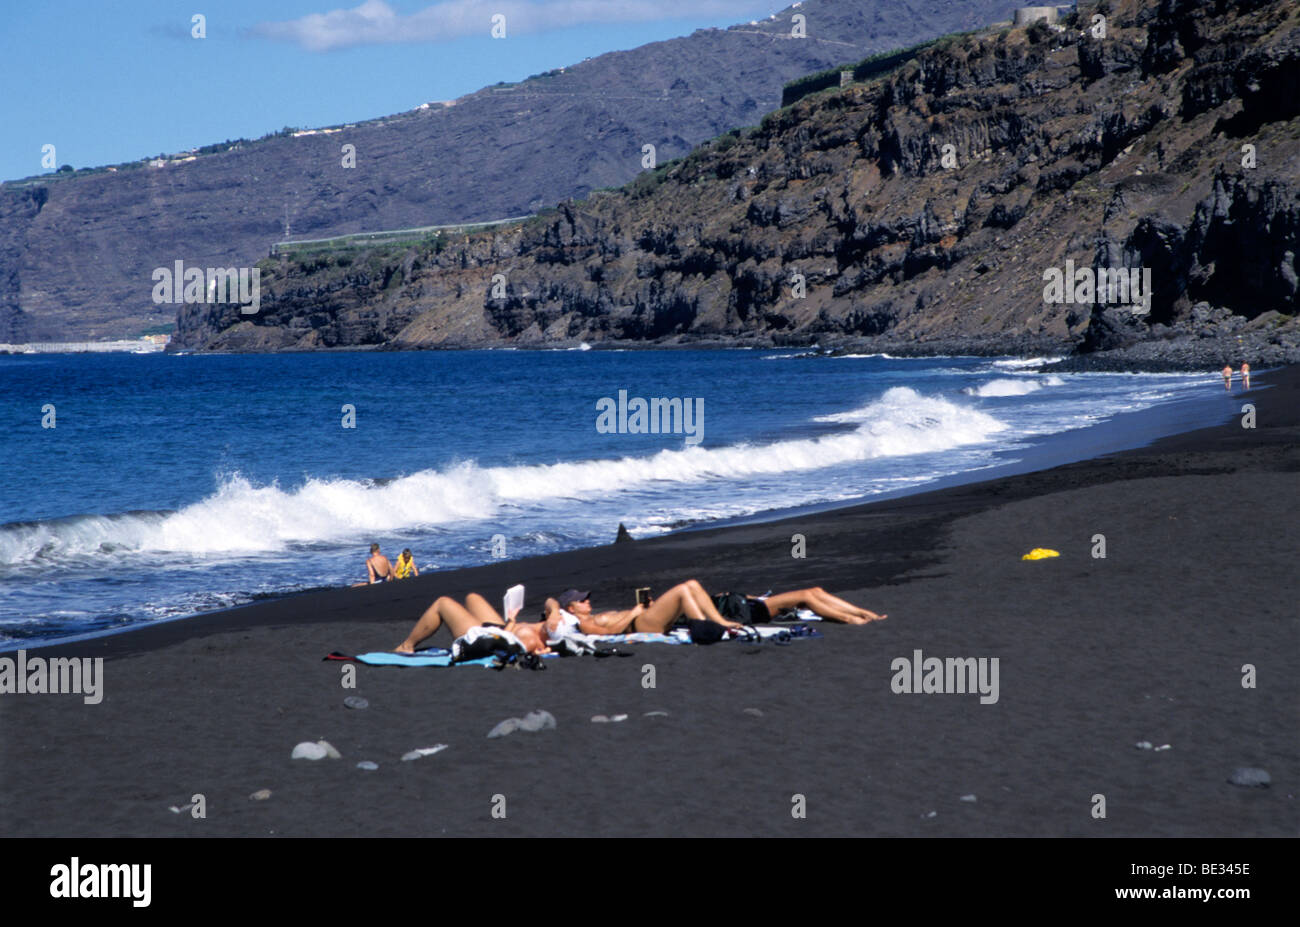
(823, 603)
(682, 599)
(444, 610)
(482, 610)
(705, 602)
(803, 598)
(822, 596)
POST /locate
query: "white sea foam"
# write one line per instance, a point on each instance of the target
(1008, 387)
(240, 518)
(919, 357)
(1015, 363)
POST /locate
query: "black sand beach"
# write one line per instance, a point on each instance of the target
(1095, 655)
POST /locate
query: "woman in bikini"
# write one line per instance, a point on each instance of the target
(475, 613)
(572, 611)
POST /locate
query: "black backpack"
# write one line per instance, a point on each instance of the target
(744, 609)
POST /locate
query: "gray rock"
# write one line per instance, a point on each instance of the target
(422, 751)
(309, 751)
(968, 798)
(656, 714)
(599, 719)
(356, 701)
(329, 750)
(367, 764)
(508, 726)
(260, 795)
(1143, 745)
(533, 721)
(754, 711)
(1250, 777)
(536, 721)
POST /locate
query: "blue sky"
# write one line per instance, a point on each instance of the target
(107, 82)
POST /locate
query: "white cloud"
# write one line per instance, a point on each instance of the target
(375, 22)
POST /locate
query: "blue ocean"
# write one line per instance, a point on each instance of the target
(144, 487)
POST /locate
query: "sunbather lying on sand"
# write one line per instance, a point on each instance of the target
(476, 612)
(818, 600)
(572, 612)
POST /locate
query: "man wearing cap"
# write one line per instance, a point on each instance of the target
(572, 613)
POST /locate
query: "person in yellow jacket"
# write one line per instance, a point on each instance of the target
(406, 565)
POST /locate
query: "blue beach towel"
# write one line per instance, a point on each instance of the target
(433, 657)
(437, 656)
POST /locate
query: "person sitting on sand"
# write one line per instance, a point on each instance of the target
(378, 567)
(406, 565)
(1227, 376)
(1245, 374)
(572, 612)
(475, 613)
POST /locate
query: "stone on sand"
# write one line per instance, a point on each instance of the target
(309, 751)
(508, 726)
(1250, 777)
(422, 751)
(536, 721)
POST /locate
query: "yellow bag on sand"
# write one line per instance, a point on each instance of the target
(1039, 553)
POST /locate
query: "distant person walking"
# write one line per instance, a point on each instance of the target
(406, 565)
(378, 567)
(1245, 374)
(1227, 377)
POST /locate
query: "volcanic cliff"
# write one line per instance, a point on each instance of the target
(919, 210)
(77, 250)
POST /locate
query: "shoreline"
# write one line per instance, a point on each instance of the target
(949, 489)
(1046, 452)
(1152, 356)
(1148, 644)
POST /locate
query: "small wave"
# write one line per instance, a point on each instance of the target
(1006, 387)
(1016, 363)
(243, 519)
(919, 357)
